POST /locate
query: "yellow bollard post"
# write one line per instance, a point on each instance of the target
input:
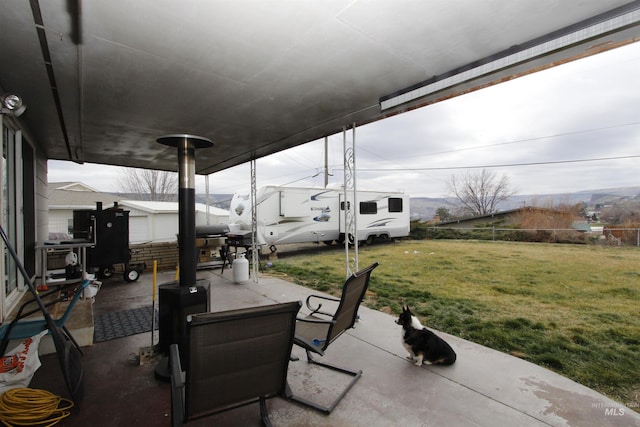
(153, 301)
(148, 353)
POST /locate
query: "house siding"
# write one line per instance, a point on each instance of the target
(42, 199)
(59, 221)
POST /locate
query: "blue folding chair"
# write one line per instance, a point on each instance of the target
(19, 329)
(69, 356)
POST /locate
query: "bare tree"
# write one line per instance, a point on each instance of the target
(622, 212)
(480, 192)
(444, 214)
(149, 184)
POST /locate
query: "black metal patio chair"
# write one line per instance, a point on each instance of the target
(315, 334)
(234, 358)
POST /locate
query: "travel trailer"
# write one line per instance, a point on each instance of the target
(302, 215)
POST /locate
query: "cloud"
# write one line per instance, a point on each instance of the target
(100, 177)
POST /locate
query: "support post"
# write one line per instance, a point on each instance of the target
(255, 256)
(350, 202)
(326, 161)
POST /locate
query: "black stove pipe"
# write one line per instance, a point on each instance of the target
(186, 145)
(186, 216)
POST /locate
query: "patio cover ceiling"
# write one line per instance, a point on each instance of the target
(104, 79)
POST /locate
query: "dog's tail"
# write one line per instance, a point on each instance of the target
(449, 359)
(445, 361)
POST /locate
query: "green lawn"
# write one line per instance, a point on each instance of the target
(571, 308)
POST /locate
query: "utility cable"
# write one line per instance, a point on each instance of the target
(506, 165)
(535, 138)
(32, 407)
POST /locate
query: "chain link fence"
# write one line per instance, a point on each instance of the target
(609, 236)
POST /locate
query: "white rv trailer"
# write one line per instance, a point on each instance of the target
(303, 214)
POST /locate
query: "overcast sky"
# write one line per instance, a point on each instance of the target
(584, 110)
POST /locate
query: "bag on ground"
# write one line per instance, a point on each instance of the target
(19, 365)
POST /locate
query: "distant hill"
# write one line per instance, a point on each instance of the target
(222, 201)
(424, 208)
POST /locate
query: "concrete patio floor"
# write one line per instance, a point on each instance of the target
(483, 388)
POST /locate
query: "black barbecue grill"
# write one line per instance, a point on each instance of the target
(239, 240)
(109, 230)
(209, 231)
(213, 231)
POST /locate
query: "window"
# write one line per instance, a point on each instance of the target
(368, 208)
(395, 204)
(9, 207)
(342, 206)
(17, 203)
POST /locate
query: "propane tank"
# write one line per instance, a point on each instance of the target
(72, 269)
(71, 258)
(240, 269)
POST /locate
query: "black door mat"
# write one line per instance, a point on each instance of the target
(120, 324)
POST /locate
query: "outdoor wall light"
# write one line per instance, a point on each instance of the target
(12, 104)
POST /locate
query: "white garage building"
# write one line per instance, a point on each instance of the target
(158, 221)
(148, 221)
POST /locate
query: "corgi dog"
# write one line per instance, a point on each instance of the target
(421, 343)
